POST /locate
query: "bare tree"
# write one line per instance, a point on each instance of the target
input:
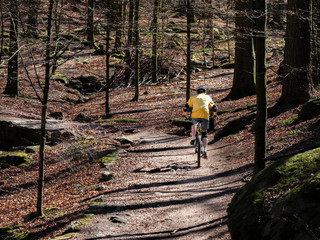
(44, 103)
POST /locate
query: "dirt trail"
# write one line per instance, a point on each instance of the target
(167, 196)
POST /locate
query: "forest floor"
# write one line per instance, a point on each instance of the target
(157, 190)
(168, 197)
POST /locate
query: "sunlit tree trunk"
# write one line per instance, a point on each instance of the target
(44, 103)
(154, 29)
(297, 79)
(137, 52)
(261, 88)
(12, 87)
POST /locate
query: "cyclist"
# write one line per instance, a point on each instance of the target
(201, 104)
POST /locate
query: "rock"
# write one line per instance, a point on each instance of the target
(309, 110)
(75, 84)
(59, 136)
(124, 141)
(30, 216)
(81, 117)
(83, 100)
(101, 187)
(14, 159)
(106, 176)
(57, 115)
(87, 84)
(16, 132)
(117, 219)
(35, 149)
(280, 202)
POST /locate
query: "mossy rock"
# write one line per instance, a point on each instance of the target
(309, 110)
(7, 233)
(106, 176)
(35, 149)
(280, 202)
(77, 225)
(14, 159)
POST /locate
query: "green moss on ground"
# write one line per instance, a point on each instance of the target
(280, 202)
(14, 159)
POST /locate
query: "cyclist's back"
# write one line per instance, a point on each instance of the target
(200, 104)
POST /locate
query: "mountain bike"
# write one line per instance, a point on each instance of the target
(198, 145)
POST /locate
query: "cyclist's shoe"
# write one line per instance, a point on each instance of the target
(192, 142)
(204, 155)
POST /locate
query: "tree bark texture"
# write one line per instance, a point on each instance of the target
(297, 77)
(190, 20)
(261, 87)
(118, 24)
(108, 26)
(90, 21)
(130, 22)
(154, 29)
(32, 27)
(243, 80)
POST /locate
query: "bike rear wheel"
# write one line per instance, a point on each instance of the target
(198, 149)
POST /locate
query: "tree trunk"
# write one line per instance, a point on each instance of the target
(12, 87)
(57, 13)
(261, 88)
(154, 27)
(118, 24)
(297, 83)
(2, 31)
(130, 22)
(90, 21)
(32, 28)
(189, 21)
(278, 13)
(107, 105)
(137, 52)
(316, 44)
(44, 103)
(243, 80)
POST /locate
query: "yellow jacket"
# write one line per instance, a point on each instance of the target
(200, 104)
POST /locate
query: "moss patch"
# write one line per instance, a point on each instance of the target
(309, 110)
(281, 202)
(14, 159)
